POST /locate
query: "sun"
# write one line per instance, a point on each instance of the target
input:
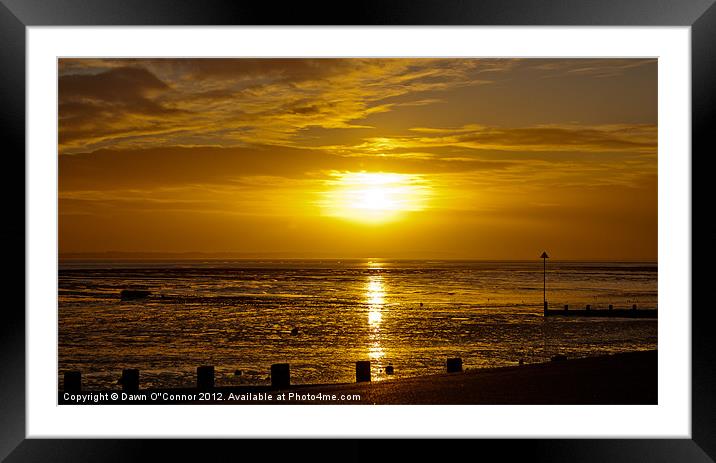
(374, 197)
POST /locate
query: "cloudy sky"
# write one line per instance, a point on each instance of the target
(410, 158)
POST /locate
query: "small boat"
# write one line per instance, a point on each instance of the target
(133, 294)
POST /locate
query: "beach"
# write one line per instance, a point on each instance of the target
(617, 379)
(323, 316)
(627, 378)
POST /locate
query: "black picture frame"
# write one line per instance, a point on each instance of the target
(700, 15)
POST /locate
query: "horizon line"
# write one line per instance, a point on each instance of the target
(195, 255)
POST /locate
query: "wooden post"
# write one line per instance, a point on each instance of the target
(454, 365)
(205, 377)
(589, 307)
(611, 306)
(566, 307)
(280, 375)
(363, 371)
(130, 380)
(633, 307)
(73, 382)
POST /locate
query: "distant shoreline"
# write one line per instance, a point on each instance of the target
(198, 255)
(195, 258)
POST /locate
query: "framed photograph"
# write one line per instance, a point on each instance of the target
(425, 220)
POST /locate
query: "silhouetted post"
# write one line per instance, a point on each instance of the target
(633, 307)
(130, 380)
(566, 307)
(389, 370)
(363, 371)
(280, 375)
(454, 365)
(205, 377)
(73, 382)
(589, 307)
(611, 306)
(544, 257)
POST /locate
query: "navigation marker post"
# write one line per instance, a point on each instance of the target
(544, 257)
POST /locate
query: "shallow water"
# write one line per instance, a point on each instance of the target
(238, 315)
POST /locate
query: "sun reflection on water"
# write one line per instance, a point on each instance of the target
(375, 297)
(376, 352)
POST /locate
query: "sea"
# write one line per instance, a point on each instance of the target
(321, 316)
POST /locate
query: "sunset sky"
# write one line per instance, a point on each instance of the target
(346, 158)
